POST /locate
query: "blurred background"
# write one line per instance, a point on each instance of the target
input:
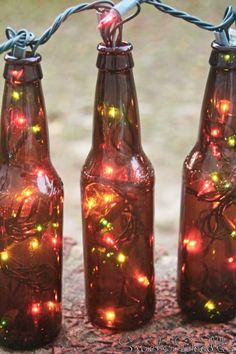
(171, 68)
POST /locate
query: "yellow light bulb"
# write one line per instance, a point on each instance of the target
(227, 57)
(231, 140)
(121, 258)
(210, 305)
(91, 203)
(113, 112)
(34, 244)
(4, 256)
(143, 280)
(15, 95)
(110, 316)
(233, 234)
(51, 305)
(39, 227)
(27, 192)
(108, 170)
(108, 198)
(36, 128)
(215, 177)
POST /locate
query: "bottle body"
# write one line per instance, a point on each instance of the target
(207, 246)
(117, 183)
(31, 214)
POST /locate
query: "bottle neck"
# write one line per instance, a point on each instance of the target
(24, 134)
(116, 117)
(218, 116)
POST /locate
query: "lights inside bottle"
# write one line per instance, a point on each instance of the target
(34, 244)
(206, 187)
(223, 106)
(19, 121)
(233, 234)
(3, 323)
(215, 177)
(143, 280)
(121, 258)
(36, 309)
(210, 306)
(193, 241)
(227, 57)
(30, 265)
(206, 259)
(36, 128)
(51, 306)
(108, 170)
(16, 95)
(215, 132)
(4, 256)
(113, 112)
(108, 316)
(39, 227)
(231, 141)
(17, 75)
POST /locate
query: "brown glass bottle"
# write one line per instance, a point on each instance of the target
(117, 202)
(207, 247)
(31, 209)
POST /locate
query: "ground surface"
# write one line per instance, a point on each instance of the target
(171, 67)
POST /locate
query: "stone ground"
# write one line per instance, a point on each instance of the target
(171, 67)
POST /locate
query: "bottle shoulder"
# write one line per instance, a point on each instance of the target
(135, 168)
(22, 179)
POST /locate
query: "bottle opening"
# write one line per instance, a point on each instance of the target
(223, 57)
(222, 48)
(29, 59)
(24, 70)
(125, 47)
(115, 58)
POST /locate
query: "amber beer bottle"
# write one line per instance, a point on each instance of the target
(117, 202)
(207, 247)
(31, 207)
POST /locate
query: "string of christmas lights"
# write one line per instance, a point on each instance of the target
(110, 24)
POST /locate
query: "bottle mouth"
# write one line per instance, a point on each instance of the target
(115, 59)
(123, 48)
(29, 59)
(20, 71)
(222, 48)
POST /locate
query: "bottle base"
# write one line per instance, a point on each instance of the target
(28, 343)
(198, 314)
(128, 323)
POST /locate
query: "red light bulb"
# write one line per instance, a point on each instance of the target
(206, 187)
(193, 241)
(17, 74)
(19, 121)
(215, 132)
(36, 309)
(109, 19)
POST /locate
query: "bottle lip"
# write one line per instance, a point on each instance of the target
(125, 47)
(222, 48)
(29, 59)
